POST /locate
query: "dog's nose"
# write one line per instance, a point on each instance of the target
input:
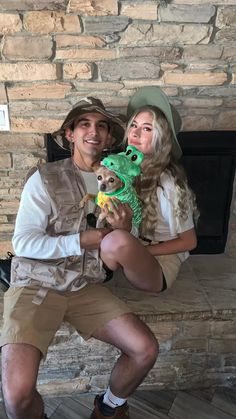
(103, 187)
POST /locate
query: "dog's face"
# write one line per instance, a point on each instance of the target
(107, 180)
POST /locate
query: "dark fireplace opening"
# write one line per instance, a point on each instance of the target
(209, 159)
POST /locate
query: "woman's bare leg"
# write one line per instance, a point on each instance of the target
(120, 249)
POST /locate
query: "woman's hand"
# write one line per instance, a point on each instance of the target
(118, 215)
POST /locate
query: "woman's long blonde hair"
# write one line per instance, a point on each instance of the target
(162, 160)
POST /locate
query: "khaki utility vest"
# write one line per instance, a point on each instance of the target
(66, 188)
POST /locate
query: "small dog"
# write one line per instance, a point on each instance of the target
(107, 180)
(108, 183)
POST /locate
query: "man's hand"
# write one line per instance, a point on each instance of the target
(91, 239)
(118, 215)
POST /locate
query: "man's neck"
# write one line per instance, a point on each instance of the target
(86, 163)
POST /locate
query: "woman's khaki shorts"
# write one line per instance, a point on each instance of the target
(87, 310)
(170, 265)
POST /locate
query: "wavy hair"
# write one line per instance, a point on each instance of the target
(162, 160)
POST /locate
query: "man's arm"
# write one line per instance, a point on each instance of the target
(30, 238)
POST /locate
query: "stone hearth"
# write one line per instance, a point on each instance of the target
(195, 323)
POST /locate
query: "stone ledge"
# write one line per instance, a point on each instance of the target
(195, 323)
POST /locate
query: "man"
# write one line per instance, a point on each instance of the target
(57, 274)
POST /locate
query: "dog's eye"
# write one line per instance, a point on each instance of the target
(134, 157)
(111, 179)
(99, 177)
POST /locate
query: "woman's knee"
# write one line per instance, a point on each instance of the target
(116, 241)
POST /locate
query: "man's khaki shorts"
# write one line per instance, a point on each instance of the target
(87, 310)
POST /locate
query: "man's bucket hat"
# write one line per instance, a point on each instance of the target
(90, 104)
(155, 97)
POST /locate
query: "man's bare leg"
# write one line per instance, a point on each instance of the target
(139, 349)
(20, 364)
(120, 249)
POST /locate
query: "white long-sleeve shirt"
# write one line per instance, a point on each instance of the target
(30, 239)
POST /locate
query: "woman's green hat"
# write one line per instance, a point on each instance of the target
(154, 96)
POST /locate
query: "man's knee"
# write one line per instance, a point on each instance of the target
(147, 352)
(17, 398)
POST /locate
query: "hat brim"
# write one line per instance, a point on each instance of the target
(153, 96)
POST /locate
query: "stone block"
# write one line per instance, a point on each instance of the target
(25, 161)
(159, 52)
(190, 344)
(195, 79)
(159, 34)
(9, 207)
(7, 228)
(5, 161)
(106, 25)
(229, 53)
(226, 36)
(35, 125)
(27, 72)
(197, 123)
(230, 360)
(233, 81)
(97, 86)
(64, 41)
(226, 120)
(223, 329)
(220, 91)
(3, 96)
(201, 103)
(11, 142)
(63, 386)
(38, 91)
(9, 23)
(196, 328)
(93, 7)
(27, 48)
(216, 2)
(136, 10)
(226, 17)
(33, 5)
(129, 69)
(5, 246)
(222, 346)
(89, 54)
(186, 14)
(77, 71)
(39, 108)
(46, 22)
(203, 52)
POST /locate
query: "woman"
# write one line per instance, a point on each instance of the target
(167, 228)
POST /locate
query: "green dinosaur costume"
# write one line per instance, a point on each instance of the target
(126, 166)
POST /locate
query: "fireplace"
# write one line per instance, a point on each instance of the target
(209, 159)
